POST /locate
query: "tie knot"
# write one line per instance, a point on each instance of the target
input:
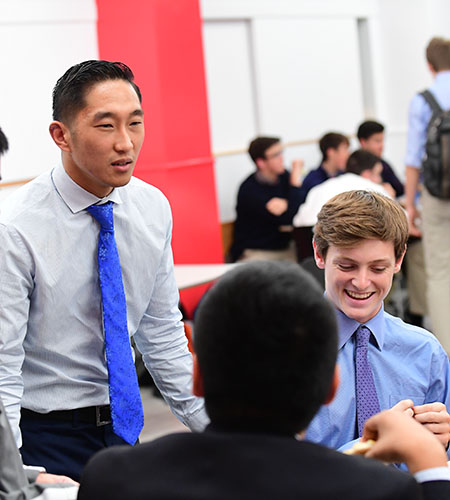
(362, 336)
(104, 215)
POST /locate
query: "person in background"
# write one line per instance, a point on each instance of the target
(360, 241)
(267, 200)
(335, 152)
(266, 345)
(4, 146)
(435, 216)
(371, 138)
(363, 171)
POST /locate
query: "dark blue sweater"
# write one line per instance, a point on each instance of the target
(255, 226)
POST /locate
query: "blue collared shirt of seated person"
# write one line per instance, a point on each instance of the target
(407, 362)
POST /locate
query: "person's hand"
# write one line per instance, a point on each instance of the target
(277, 206)
(413, 218)
(405, 406)
(45, 478)
(400, 438)
(435, 418)
(296, 172)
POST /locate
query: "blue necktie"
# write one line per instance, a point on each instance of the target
(367, 403)
(125, 399)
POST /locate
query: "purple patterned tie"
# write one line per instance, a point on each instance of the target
(367, 403)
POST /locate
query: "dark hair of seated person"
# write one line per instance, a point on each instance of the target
(361, 160)
(259, 146)
(368, 128)
(266, 343)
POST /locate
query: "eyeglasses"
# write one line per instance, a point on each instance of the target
(275, 155)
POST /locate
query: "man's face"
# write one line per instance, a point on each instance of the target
(374, 144)
(105, 137)
(273, 163)
(339, 156)
(357, 279)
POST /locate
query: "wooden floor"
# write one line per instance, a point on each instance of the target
(159, 420)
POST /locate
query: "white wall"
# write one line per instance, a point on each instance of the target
(314, 66)
(293, 68)
(39, 40)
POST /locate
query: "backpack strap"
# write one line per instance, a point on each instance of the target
(431, 100)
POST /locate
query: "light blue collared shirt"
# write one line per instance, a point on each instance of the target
(407, 363)
(50, 314)
(420, 115)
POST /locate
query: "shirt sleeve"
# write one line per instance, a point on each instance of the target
(16, 285)
(418, 118)
(162, 342)
(433, 474)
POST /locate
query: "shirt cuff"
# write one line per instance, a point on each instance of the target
(433, 474)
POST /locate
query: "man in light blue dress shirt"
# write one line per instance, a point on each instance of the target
(53, 370)
(360, 241)
(435, 216)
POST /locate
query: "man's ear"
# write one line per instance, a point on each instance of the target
(320, 261)
(333, 387)
(366, 174)
(61, 135)
(197, 382)
(260, 163)
(398, 263)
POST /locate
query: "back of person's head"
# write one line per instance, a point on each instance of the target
(351, 217)
(265, 338)
(368, 128)
(4, 145)
(260, 145)
(331, 140)
(438, 53)
(70, 90)
(361, 160)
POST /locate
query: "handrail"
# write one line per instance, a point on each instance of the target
(19, 182)
(231, 152)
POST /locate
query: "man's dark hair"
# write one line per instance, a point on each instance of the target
(266, 342)
(368, 128)
(361, 160)
(4, 145)
(260, 145)
(331, 140)
(71, 89)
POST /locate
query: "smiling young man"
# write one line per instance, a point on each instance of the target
(85, 264)
(360, 240)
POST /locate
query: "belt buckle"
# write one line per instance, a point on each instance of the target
(98, 416)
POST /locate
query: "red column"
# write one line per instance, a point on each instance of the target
(161, 41)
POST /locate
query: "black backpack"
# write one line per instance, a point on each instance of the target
(436, 162)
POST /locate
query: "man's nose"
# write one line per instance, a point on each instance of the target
(123, 141)
(361, 279)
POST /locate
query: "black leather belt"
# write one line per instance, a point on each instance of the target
(98, 415)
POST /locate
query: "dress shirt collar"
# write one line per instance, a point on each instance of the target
(442, 78)
(348, 326)
(74, 196)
